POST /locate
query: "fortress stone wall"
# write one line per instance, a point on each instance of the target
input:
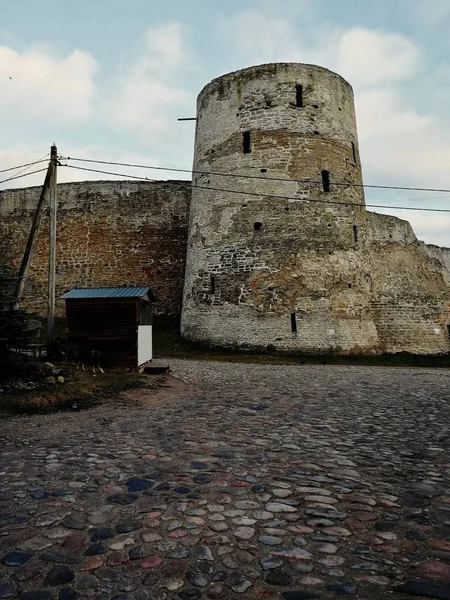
(109, 233)
(292, 259)
(272, 242)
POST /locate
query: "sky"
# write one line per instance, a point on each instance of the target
(107, 80)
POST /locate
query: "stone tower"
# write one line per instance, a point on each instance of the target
(276, 234)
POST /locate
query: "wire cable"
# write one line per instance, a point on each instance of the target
(26, 165)
(237, 175)
(243, 193)
(25, 175)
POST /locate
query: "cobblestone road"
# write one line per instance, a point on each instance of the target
(247, 481)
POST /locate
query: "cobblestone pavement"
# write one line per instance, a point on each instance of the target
(239, 481)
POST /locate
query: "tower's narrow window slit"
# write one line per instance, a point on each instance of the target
(355, 233)
(299, 95)
(246, 142)
(293, 322)
(326, 181)
(354, 152)
(212, 285)
(257, 226)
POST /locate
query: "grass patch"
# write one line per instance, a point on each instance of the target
(167, 342)
(80, 390)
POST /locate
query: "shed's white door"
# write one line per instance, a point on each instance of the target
(145, 352)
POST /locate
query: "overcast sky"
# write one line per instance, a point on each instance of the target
(107, 79)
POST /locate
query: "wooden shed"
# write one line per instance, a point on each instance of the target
(115, 321)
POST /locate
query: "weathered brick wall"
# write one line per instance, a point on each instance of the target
(109, 233)
(410, 298)
(243, 285)
(356, 282)
(442, 255)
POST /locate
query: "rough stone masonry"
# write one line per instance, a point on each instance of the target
(272, 241)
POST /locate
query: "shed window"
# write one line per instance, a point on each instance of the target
(326, 181)
(299, 95)
(293, 322)
(246, 142)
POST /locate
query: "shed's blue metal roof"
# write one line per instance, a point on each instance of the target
(110, 292)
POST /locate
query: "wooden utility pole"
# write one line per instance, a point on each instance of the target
(32, 238)
(52, 255)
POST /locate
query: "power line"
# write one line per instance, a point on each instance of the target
(20, 176)
(243, 193)
(26, 168)
(26, 165)
(238, 175)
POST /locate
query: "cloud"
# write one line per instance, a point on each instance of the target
(370, 57)
(150, 92)
(45, 86)
(431, 14)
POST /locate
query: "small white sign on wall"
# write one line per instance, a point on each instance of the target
(331, 331)
(437, 331)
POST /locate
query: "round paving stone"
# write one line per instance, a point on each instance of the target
(96, 549)
(87, 582)
(59, 575)
(190, 594)
(177, 554)
(7, 589)
(270, 540)
(37, 595)
(122, 498)
(343, 589)
(203, 553)
(136, 484)
(128, 527)
(259, 488)
(16, 559)
(244, 533)
(196, 578)
(56, 557)
(280, 578)
(199, 465)
(202, 479)
(39, 495)
(268, 563)
(101, 533)
(70, 523)
(68, 594)
(107, 574)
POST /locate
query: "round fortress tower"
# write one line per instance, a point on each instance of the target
(277, 220)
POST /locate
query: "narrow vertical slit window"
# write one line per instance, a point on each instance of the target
(246, 142)
(354, 152)
(326, 181)
(448, 330)
(293, 322)
(299, 95)
(355, 233)
(212, 285)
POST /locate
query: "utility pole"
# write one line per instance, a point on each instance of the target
(32, 238)
(52, 254)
